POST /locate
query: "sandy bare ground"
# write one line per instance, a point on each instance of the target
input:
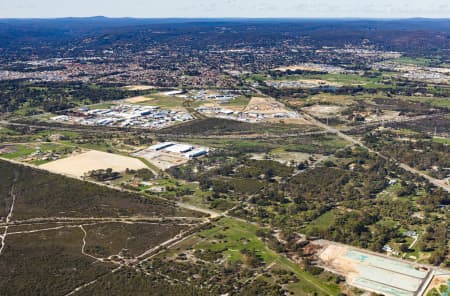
(162, 159)
(283, 157)
(324, 110)
(286, 157)
(386, 116)
(80, 164)
(288, 120)
(229, 107)
(139, 99)
(334, 256)
(437, 282)
(139, 87)
(299, 68)
(265, 106)
(326, 99)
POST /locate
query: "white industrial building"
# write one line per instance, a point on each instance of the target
(179, 148)
(197, 152)
(161, 146)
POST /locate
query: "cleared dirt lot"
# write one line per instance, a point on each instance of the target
(300, 121)
(324, 110)
(163, 160)
(139, 87)
(283, 157)
(78, 165)
(265, 106)
(325, 99)
(135, 100)
(5, 149)
(387, 116)
(299, 68)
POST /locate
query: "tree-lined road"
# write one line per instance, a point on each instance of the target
(434, 181)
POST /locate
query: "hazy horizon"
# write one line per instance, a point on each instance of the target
(382, 9)
(231, 18)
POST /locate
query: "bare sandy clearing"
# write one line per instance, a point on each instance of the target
(301, 121)
(312, 67)
(162, 159)
(334, 256)
(387, 116)
(235, 108)
(326, 99)
(283, 157)
(135, 100)
(323, 110)
(80, 164)
(265, 106)
(297, 68)
(139, 87)
(287, 157)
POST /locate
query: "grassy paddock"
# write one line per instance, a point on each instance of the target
(231, 237)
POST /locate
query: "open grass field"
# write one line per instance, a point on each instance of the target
(104, 105)
(323, 222)
(78, 165)
(164, 101)
(340, 79)
(15, 151)
(238, 102)
(230, 237)
(435, 102)
(423, 62)
(158, 99)
(137, 100)
(36, 153)
(441, 140)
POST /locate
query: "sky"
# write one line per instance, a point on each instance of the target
(226, 8)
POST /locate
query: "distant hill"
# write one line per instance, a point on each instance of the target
(57, 37)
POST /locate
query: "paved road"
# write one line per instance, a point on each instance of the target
(436, 182)
(395, 120)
